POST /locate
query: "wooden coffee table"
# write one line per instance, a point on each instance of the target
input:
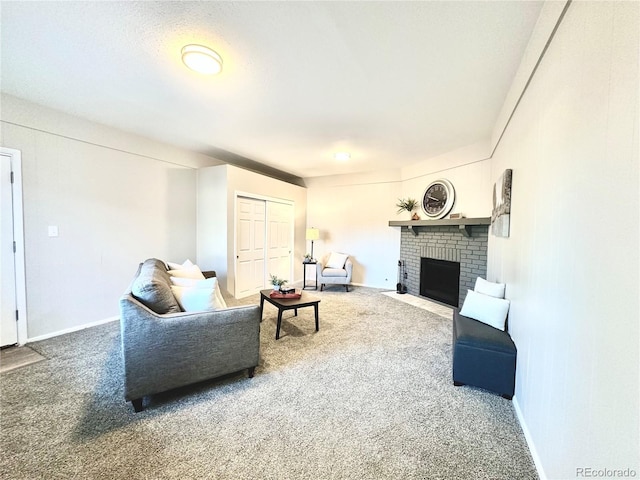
(283, 304)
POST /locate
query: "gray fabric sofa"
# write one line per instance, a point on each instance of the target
(165, 348)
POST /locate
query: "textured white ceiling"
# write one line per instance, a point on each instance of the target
(392, 82)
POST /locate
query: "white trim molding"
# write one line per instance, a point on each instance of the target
(18, 237)
(527, 435)
(74, 329)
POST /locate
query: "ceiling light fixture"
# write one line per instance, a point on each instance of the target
(342, 156)
(201, 59)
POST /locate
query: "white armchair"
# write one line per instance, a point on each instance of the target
(334, 269)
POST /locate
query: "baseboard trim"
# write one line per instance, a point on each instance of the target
(529, 439)
(72, 329)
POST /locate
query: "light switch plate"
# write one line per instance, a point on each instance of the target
(53, 231)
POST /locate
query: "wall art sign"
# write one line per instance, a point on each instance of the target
(500, 216)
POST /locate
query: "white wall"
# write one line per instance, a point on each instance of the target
(467, 168)
(212, 208)
(352, 213)
(571, 263)
(116, 198)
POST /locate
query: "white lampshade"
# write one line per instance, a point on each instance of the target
(201, 59)
(313, 234)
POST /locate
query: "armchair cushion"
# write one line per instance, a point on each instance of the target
(336, 260)
(334, 272)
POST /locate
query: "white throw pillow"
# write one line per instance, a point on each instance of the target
(178, 266)
(187, 272)
(486, 309)
(489, 288)
(193, 282)
(336, 260)
(195, 299)
(208, 284)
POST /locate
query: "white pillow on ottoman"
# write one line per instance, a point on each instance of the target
(486, 309)
(336, 260)
(489, 288)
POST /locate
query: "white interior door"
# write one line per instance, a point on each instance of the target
(280, 239)
(250, 246)
(8, 300)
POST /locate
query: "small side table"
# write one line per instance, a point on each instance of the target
(304, 275)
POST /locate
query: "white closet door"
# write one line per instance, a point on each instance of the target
(279, 240)
(250, 246)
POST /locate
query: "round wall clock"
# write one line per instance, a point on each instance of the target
(438, 198)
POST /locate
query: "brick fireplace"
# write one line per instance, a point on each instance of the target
(468, 246)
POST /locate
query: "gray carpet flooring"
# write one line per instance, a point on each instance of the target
(369, 396)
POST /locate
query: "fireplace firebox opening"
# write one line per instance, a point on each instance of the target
(440, 280)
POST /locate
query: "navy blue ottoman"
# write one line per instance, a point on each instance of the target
(483, 356)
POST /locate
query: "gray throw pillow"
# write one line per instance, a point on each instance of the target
(152, 287)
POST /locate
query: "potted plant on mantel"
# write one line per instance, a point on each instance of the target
(408, 204)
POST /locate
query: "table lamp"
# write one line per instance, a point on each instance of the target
(312, 234)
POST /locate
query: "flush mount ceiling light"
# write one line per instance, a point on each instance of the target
(342, 156)
(201, 59)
